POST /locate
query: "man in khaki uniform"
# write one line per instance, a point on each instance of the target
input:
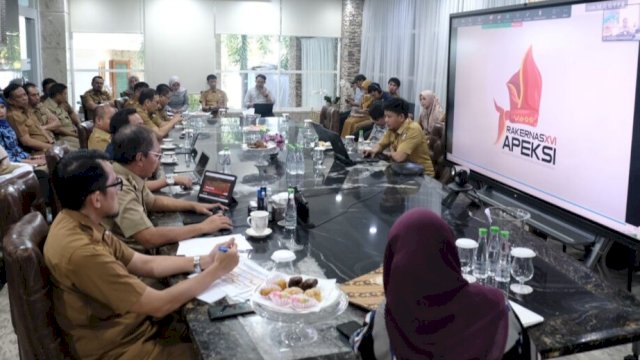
(24, 122)
(137, 89)
(213, 98)
(103, 308)
(404, 136)
(149, 102)
(164, 95)
(57, 105)
(96, 96)
(48, 121)
(100, 136)
(136, 153)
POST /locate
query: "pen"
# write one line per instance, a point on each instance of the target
(223, 249)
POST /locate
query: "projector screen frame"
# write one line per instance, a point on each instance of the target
(520, 196)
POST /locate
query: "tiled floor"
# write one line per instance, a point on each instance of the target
(9, 344)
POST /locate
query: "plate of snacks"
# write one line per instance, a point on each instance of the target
(296, 294)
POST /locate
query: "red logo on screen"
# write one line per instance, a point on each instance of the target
(525, 90)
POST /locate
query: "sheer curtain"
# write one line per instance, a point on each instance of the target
(318, 56)
(409, 39)
(387, 34)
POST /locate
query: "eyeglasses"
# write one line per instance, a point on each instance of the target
(157, 155)
(118, 184)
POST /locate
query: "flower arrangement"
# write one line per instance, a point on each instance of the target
(276, 138)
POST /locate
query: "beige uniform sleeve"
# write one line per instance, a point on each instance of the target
(132, 217)
(385, 141)
(19, 123)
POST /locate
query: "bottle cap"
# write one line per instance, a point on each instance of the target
(283, 256)
(504, 233)
(482, 231)
(494, 229)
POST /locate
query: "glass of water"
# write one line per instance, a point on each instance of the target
(318, 157)
(522, 269)
(466, 252)
(350, 143)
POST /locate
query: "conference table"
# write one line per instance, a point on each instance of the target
(351, 212)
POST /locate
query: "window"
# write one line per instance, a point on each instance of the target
(115, 57)
(300, 71)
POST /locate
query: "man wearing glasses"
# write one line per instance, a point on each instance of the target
(103, 308)
(136, 153)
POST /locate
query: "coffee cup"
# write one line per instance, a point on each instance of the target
(258, 221)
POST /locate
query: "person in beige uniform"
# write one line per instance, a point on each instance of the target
(136, 153)
(24, 122)
(100, 136)
(404, 136)
(96, 96)
(137, 89)
(213, 98)
(57, 105)
(164, 95)
(48, 121)
(149, 102)
(103, 308)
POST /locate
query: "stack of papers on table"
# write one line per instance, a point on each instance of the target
(238, 284)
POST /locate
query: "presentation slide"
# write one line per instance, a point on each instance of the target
(548, 106)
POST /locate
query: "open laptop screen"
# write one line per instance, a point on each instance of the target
(201, 166)
(217, 187)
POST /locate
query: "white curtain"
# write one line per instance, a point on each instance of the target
(318, 66)
(409, 40)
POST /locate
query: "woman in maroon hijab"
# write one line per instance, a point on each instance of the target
(431, 312)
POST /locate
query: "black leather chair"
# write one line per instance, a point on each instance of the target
(84, 133)
(32, 315)
(53, 156)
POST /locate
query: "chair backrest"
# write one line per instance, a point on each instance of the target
(84, 108)
(30, 299)
(334, 119)
(324, 116)
(53, 156)
(19, 195)
(84, 132)
(436, 151)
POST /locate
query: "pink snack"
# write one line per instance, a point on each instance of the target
(303, 301)
(279, 298)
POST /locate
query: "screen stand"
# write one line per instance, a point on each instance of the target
(454, 191)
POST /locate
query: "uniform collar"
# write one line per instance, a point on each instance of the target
(128, 176)
(403, 128)
(86, 223)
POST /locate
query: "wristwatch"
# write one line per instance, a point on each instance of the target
(196, 264)
(170, 180)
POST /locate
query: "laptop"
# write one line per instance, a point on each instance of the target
(215, 187)
(192, 146)
(339, 150)
(263, 109)
(198, 171)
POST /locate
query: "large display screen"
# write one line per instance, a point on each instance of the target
(544, 99)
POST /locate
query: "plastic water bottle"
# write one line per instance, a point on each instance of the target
(493, 249)
(360, 140)
(290, 213)
(299, 160)
(226, 161)
(290, 166)
(502, 267)
(481, 261)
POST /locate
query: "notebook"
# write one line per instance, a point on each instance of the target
(339, 150)
(215, 187)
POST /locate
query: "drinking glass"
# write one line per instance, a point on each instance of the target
(350, 143)
(466, 252)
(522, 269)
(318, 157)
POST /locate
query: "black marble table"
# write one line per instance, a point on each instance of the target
(351, 212)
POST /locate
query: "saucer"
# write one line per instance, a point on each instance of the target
(266, 233)
(168, 146)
